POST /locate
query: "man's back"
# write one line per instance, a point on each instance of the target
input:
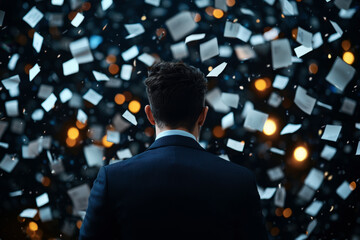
(174, 190)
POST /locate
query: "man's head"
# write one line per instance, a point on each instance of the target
(176, 93)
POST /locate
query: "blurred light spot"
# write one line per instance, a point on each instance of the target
(346, 45)
(209, 10)
(33, 226)
(287, 212)
(197, 17)
(111, 59)
(260, 84)
(313, 68)
(352, 185)
(348, 57)
(134, 106)
(73, 133)
(230, 3)
(128, 95)
(78, 224)
(218, 13)
(143, 18)
(114, 68)
(269, 127)
(106, 143)
(218, 132)
(119, 98)
(80, 125)
(45, 181)
(70, 142)
(300, 154)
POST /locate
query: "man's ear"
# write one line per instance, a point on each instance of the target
(149, 114)
(203, 115)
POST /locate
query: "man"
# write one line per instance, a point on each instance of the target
(175, 189)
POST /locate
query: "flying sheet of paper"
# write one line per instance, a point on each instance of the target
(130, 117)
(280, 195)
(209, 49)
(45, 91)
(15, 193)
(321, 104)
(70, 67)
(331, 132)
(179, 50)
(358, 149)
(79, 196)
(255, 120)
(230, 99)
(11, 82)
(134, 30)
(347, 14)
(3, 126)
(290, 128)
(38, 114)
(340, 74)
(247, 107)
(12, 108)
(213, 97)
(280, 82)
(337, 28)
(33, 17)
(257, 39)
(130, 53)
(124, 153)
(314, 208)
(244, 52)
(77, 20)
(119, 123)
(194, 37)
(113, 136)
(37, 42)
(100, 76)
(126, 70)
(13, 61)
(306, 193)
(81, 116)
(344, 190)
(92, 96)
(317, 40)
(105, 4)
(42, 200)
(49, 103)
(94, 155)
(304, 37)
(155, 3)
(8, 163)
(303, 101)
(328, 152)
(267, 193)
(45, 214)
(314, 179)
(348, 106)
(181, 25)
(302, 50)
(147, 59)
(343, 4)
(217, 70)
(277, 151)
(33, 72)
(2, 15)
(236, 145)
(65, 95)
(247, 11)
(80, 50)
(57, 2)
(236, 30)
(28, 213)
(271, 34)
(280, 53)
(275, 173)
(274, 100)
(228, 120)
(202, 3)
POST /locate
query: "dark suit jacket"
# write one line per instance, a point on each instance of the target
(174, 190)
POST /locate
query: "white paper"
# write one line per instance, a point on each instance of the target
(304, 37)
(303, 101)
(13, 61)
(209, 49)
(194, 37)
(236, 30)
(57, 2)
(358, 149)
(306, 193)
(79, 196)
(280, 82)
(12, 108)
(65, 95)
(11, 82)
(274, 100)
(255, 120)
(228, 120)
(275, 173)
(49, 103)
(317, 40)
(37, 42)
(280, 53)
(8, 163)
(180, 25)
(347, 14)
(179, 50)
(267, 193)
(100, 76)
(314, 178)
(302, 50)
(155, 3)
(33, 17)
(337, 28)
(94, 155)
(70, 67)
(45, 214)
(42, 200)
(130, 53)
(344, 190)
(280, 195)
(225, 51)
(113, 136)
(257, 39)
(130, 117)
(321, 104)
(2, 15)
(277, 151)
(230, 99)
(314, 208)
(348, 106)
(92, 97)
(28, 213)
(124, 153)
(331, 132)
(77, 20)
(81, 116)
(213, 97)
(134, 30)
(244, 52)
(80, 50)
(38, 114)
(290, 128)
(271, 34)
(105, 4)
(217, 70)
(328, 152)
(147, 59)
(236, 145)
(340, 74)
(33, 72)
(126, 70)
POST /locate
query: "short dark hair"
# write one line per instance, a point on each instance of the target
(176, 93)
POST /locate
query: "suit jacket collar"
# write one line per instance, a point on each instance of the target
(178, 140)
